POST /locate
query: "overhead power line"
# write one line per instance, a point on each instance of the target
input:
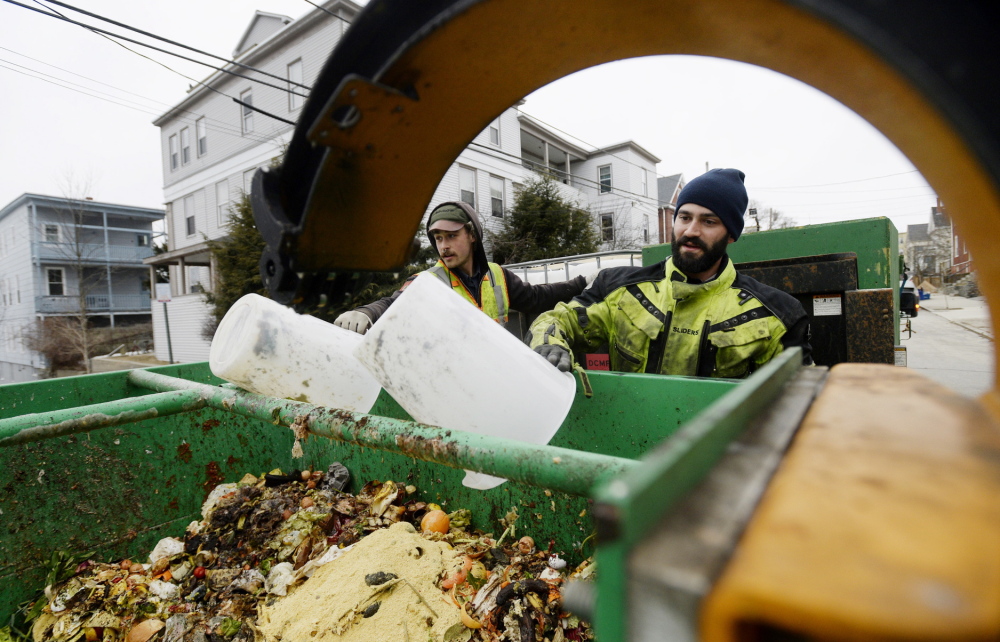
(325, 10)
(175, 43)
(103, 34)
(58, 16)
(212, 124)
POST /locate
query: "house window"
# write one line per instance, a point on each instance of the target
(467, 185)
(495, 132)
(221, 201)
(295, 98)
(607, 227)
(188, 205)
(642, 177)
(246, 112)
(54, 277)
(496, 195)
(201, 133)
(51, 233)
(604, 178)
(645, 227)
(185, 146)
(173, 152)
(142, 240)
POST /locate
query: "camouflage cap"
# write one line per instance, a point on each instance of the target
(447, 217)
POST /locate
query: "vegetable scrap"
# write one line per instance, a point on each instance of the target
(294, 557)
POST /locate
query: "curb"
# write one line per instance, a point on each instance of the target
(961, 325)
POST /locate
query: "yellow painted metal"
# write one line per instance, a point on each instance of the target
(883, 522)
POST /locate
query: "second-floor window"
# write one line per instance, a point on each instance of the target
(185, 146)
(642, 177)
(174, 159)
(467, 185)
(604, 178)
(246, 112)
(142, 240)
(295, 92)
(496, 195)
(201, 133)
(51, 233)
(54, 278)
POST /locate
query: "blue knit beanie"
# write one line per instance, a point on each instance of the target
(723, 192)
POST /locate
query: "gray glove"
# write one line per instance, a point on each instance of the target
(556, 355)
(354, 321)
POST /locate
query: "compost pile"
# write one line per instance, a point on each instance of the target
(293, 557)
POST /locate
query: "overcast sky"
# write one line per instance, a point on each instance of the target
(803, 152)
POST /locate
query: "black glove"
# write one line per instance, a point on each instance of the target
(556, 355)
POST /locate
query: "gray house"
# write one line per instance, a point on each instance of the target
(61, 257)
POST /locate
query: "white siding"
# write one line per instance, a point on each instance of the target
(17, 302)
(187, 315)
(230, 152)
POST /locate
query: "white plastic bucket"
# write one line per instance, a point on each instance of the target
(450, 365)
(264, 347)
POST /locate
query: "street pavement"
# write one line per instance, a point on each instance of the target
(952, 343)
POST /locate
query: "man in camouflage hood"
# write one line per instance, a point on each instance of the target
(454, 230)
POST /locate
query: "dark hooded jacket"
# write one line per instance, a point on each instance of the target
(524, 297)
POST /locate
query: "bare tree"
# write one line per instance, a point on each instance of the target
(617, 230)
(930, 259)
(768, 218)
(79, 250)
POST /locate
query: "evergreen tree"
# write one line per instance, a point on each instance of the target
(543, 224)
(237, 259)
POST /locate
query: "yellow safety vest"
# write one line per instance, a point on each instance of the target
(492, 291)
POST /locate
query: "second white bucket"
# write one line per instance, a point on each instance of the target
(266, 348)
(449, 365)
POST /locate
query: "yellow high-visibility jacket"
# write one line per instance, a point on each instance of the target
(653, 320)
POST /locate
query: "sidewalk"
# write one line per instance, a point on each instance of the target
(972, 314)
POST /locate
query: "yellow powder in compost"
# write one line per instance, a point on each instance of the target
(334, 602)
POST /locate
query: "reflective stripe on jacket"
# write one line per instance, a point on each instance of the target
(492, 290)
(652, 320)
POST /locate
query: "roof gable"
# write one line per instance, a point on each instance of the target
(917, 233)
(261, 27)
(666, 187)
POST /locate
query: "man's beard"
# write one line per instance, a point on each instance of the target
(696, 265)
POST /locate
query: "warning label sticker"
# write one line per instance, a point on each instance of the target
(827, 306)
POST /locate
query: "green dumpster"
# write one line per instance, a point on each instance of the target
(114, 462)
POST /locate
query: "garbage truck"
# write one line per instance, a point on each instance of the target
(854, 500)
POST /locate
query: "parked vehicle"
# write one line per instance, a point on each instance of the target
(909, 299)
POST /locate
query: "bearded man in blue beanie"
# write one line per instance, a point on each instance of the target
(691, 314)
